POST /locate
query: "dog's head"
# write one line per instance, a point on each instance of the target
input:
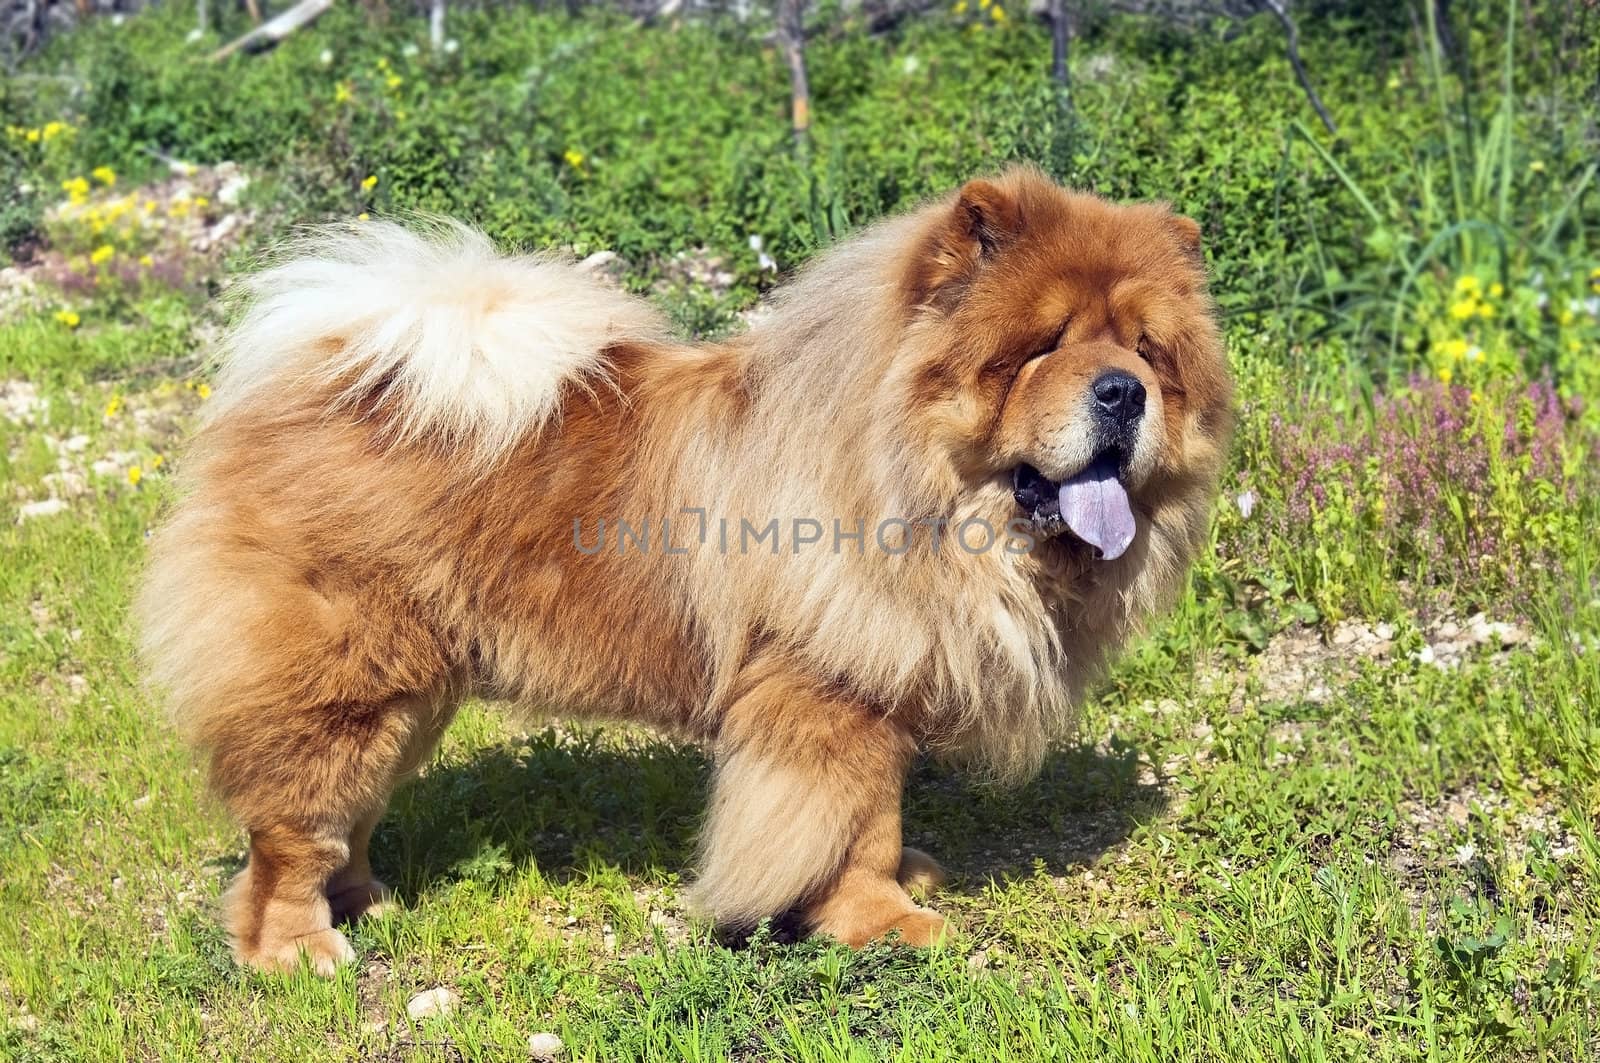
(1065, 346)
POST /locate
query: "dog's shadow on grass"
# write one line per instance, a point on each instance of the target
(576, 803)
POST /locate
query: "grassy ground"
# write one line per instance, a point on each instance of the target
(1326, 810)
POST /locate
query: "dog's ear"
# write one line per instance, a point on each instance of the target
(983, 220)
(1187, 232)
(989, 216)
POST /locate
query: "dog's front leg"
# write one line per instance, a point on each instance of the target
(805, 812)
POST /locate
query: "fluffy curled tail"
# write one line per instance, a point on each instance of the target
(460, 340)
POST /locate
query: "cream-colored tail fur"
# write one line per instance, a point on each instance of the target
(464, 341)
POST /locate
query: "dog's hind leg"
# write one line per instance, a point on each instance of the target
(310, 688)
(354, 892)
(805, 812)
(308, 786)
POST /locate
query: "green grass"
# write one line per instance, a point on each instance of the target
(1222, 868)
(1280, 834)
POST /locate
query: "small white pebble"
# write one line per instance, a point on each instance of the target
(45, 507)
(432, 1002)
(545, 1046)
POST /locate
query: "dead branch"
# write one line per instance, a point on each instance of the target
(1292, 32)
(271, 32)
(792, 38)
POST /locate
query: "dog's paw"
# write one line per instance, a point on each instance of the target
(919, 872)
(920, 927)
(362, 900)
(324, 950)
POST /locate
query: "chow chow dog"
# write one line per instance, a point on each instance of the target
(913, 509)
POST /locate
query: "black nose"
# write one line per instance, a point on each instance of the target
(1121, 395)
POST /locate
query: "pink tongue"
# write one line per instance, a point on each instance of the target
(1095, 506)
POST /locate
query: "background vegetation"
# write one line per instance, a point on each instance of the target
(1341, 804)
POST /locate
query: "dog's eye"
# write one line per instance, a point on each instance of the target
(1143, 348)
(1049, 346)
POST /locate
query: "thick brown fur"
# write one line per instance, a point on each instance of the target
(377, 524)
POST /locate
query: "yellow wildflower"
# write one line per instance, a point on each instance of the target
(33, 136)
(369, 182)
(105, 175)
(52, 130)
(114, 407)
(1394, 82)
(574, 158)
(157, 461)
(68, 318)
(1467, 284)
(1445, 375)
(400, 116)
(102, 254)
(76, 188)
(1567, 317)
(1536, 166)
(983, 5)
(1476, 396)
(393, 81)
(363, 216)
(383, 63)
(960, 8)
(1463, 309)
(1496, 290)
(1455, 350)
(997, 13)
(149, 206)
(341, 92)
(203, 390)
(135, 474)
(1485, 310)
(146, 261)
